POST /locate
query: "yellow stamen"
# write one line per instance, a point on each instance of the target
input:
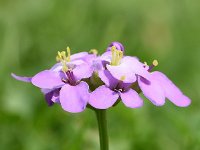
(116, 56)
(64, 68)
(113, 55)
(62, 58)
(145, 63)
(93, 51)
(68, 54)
(58, 57)
(123, 78)
(112, 51)
(155, 63)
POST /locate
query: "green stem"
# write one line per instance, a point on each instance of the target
(102, 124)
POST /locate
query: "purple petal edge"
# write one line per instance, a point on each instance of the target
(20, 78)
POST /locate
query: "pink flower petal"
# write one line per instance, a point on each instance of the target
(103, 97)
(106, 56)
(136, 66)
(122, 72)
(20, 78)
(131, 99)
(80, 55)
(107, 78)
(48, 97)
(82, 71)
(47, 79)
(152, 90)
(128, 69)
(172, 92)
(74, 98)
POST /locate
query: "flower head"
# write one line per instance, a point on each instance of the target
(124, 68)
(120, 71)
(62, 83)
(111, 76)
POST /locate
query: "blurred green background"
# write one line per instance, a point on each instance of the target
(31, 33)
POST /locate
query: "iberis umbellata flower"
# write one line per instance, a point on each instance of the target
(124, 75)
(63, 82)
(102, 81)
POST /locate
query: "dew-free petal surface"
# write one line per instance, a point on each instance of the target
(136, 66)
(74, 98)
(82, 71)
(122, 72)
(47, 79)
(172, 92)
(20, 78)
(103, 97)
(107, 78)
(131, 99)
(152, 90)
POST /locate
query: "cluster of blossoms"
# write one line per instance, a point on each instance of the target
(102, 81)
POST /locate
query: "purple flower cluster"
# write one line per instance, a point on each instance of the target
(102, 81)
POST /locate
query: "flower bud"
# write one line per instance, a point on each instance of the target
(118, 46)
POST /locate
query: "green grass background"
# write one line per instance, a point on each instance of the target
(31, 33)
